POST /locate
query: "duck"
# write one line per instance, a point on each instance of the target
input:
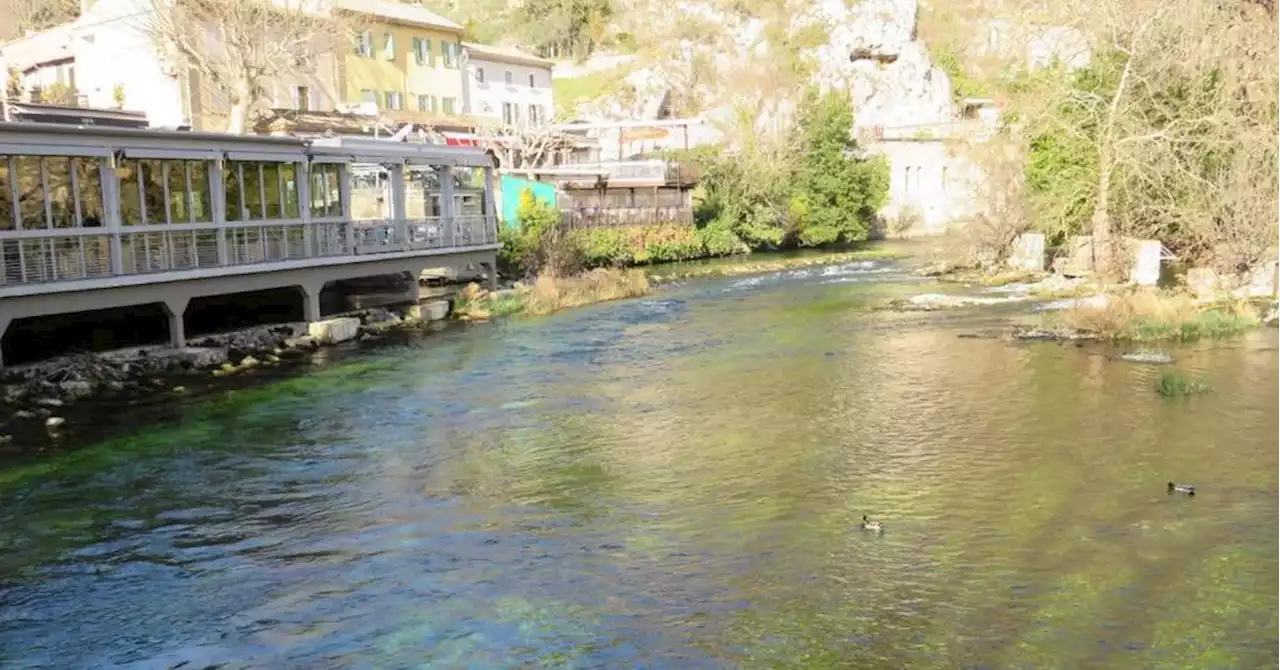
(873, 526)
(1182, 488)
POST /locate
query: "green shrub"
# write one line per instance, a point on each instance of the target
(603, 247)
(537, 244)
(718, 240)
(638, 245)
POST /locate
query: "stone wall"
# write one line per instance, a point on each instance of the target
(931, 186)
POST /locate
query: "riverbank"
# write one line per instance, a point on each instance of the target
(37, 400)
(548, 294)
(1080, 309)
(37, 397)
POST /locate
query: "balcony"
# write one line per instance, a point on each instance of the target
(88, 209)
(639, 172)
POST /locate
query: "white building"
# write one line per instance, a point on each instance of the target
(507, 85)
(110, 60)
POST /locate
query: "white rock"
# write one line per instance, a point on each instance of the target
(201, 357)
(76, 389)
(1149, 357)
(54, 422)
(332, 331)
(437, 310)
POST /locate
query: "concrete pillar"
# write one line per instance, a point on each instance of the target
(415, 284)
(399, 212)
(447, 214)
(218, 188)
(344, 194)
(176, 308)
(311, 301)
(490, 211)
(110, 214)
(303, 171)
(4, 329)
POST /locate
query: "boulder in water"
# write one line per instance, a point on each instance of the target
(1147, 357)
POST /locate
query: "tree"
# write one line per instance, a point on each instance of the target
(17, 17)
(522, 147)
(837, 192)
(238, 46)
(563, 28)
(1167, 133)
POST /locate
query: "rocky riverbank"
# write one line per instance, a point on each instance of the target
(38, 394)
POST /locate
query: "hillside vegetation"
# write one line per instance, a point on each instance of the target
(749, 54)
(1168, 132)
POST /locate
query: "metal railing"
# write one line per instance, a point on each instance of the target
(43, 256)
(618, 217)
(654, 170)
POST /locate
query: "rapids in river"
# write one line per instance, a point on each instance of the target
(673, 482)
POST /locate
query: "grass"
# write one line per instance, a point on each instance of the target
(548, 294)
(1176, 385)
(1146, 316)
(571, 91)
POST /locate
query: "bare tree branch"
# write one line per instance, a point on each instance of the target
(239, 46)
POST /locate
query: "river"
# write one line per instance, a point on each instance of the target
(673, 482)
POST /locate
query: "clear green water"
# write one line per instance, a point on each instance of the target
(673, 482)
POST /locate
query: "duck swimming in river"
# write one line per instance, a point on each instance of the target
(1182, 488)
(873, 526)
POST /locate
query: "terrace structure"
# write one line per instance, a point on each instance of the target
(93, 220)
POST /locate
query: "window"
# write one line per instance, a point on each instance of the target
(388, 46)
(302, 98)
(422, 53)
(394, 100)
(510, 113)
(508, 77)
(70, 187)
(449, 53)
(258, 191)
(535, 115)
(368, 95)
(426, 103)
(446, 105)
(533, 81)
(364, 43)
(480, 75)
(325, 192)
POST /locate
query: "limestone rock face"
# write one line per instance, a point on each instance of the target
(907, 91)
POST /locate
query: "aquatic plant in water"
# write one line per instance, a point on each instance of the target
(1175, 385)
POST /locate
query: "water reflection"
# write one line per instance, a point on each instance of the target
(673, 482)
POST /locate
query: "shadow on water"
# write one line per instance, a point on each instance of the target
(674, 481)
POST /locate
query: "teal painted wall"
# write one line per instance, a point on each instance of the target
(513, 187)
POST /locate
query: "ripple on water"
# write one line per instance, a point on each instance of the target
(675, 481)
